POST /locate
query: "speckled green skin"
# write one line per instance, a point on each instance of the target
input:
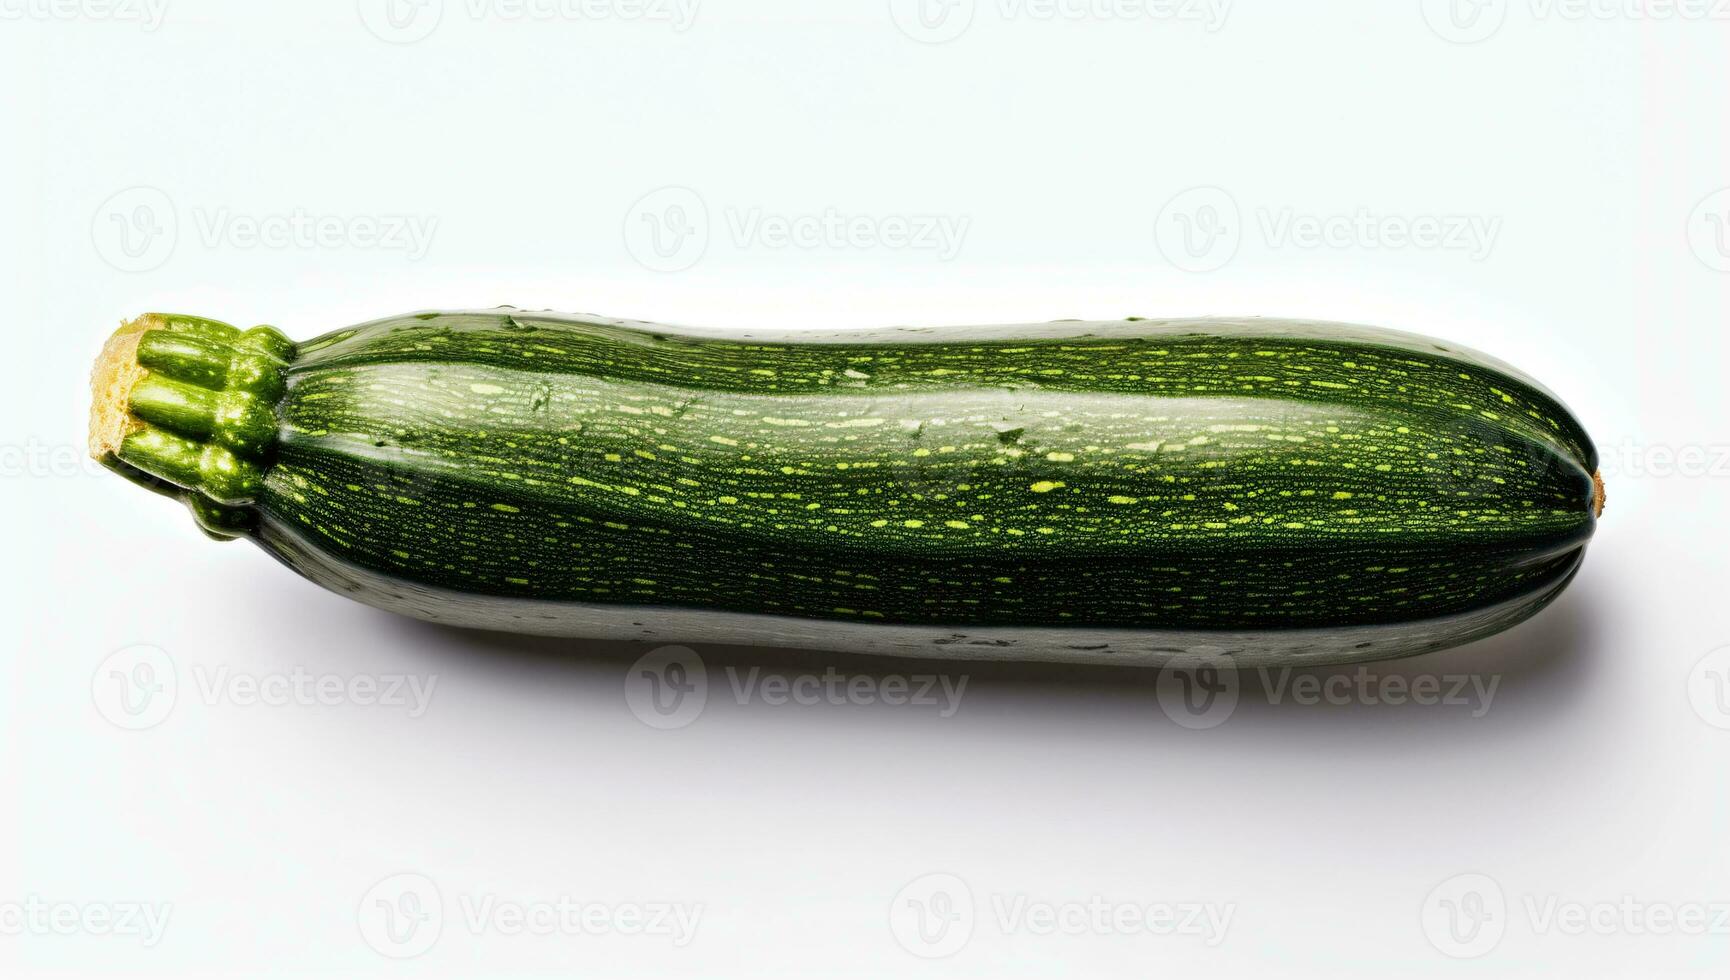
(1261, 475)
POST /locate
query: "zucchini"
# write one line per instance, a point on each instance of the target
(1138, 491)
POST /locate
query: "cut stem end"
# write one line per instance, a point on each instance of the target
(189, 402)
(111, 381)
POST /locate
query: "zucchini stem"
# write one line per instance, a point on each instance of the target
(191, 402)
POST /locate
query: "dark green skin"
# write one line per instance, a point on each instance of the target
(1141, 475)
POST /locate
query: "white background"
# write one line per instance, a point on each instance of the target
(163, 158)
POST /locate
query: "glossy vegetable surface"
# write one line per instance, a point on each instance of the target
(1100, 491)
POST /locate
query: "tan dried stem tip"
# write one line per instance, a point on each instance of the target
(1597, 495)
(111, 384)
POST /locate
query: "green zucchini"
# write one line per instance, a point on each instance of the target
(1128, 492)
